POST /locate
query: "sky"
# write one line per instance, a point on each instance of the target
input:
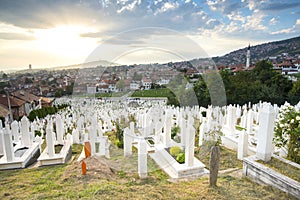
(47, 33)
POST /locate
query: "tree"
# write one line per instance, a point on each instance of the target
(58, 93)
(294, 93)
(28, 81)
(202, 92)
(263, 83)
(69, 89)
(262, 65)
(137, 77)
(4, 76)
(281, 87)
(120, 85)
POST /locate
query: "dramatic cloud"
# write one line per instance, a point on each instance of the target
(278, 6)
(15, 36)
(242, 21)
(226, 7)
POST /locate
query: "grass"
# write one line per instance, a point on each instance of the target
(111, 136)
(228, 158)
(76, 149)
(57, 148)
(47, 183)
(283, 168)
(164, 92)
(112, 94)
(51, 183)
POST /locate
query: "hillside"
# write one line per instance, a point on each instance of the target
(262, 51)
(87, 65)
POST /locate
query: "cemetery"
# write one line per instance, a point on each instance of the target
(151, 141)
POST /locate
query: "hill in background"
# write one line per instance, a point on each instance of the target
(263, 51)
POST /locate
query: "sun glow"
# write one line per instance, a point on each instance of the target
(65, 40)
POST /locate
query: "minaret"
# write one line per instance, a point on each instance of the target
(248, 57)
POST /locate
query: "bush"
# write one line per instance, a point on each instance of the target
(287, 132)
(174, 151)
(119, 136)
(43, 112)
(62, 106)
(174, 131)
(180, 158)
(36, 132)
(119, 144)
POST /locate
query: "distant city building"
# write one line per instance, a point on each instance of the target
(30, 67)
(91, 89)
(163, 81)
(134, 85)
(146, 83)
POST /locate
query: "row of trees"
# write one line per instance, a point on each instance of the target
(61, 92)
(262, 83)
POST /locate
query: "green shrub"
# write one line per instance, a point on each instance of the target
(174, 131)
(180, 158)
(287, 132)
(119, 136)
(43, 112)
(175, 150)
(36, 132)
(120, 144)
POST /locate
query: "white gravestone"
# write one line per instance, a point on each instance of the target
(265, 133)
(242, 145)
(25, 138)
(202, 131)
(1, 142)
(75, 135)
(50, 142)
(9, 149)
(128, 139)
(59, 130)
(92, 135)
(102, 146)
(142, 158)
(189, 147)
(249, 121)
(167, 131)
(15, 130)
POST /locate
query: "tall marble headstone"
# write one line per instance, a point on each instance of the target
(25, 137)
(265, 133)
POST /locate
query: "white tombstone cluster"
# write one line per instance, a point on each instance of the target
(155, 124)
(247, 129)
(18, 146)
(56, 138)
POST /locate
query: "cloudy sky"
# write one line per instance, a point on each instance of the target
(52, 33)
